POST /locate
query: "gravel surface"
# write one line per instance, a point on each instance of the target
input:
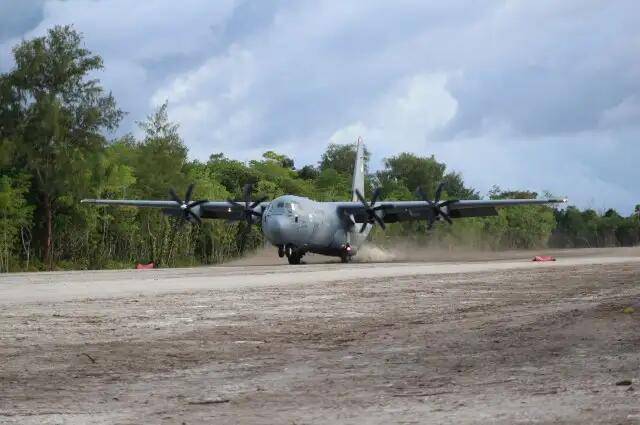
(491, 340)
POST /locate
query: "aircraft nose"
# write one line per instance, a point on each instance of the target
(276, 229)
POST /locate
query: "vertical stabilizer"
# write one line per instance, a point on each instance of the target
(358, 171)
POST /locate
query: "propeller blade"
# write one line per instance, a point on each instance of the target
(194, 215)
(382, 207)
(248, 207)
(258, 202)
(436, 206)
(361, 198)
(448, 202)
(187, 196)
(370, 209)
(235, 203)
(380, 221)
(196, 203)
(246, 191)
(174, 196)
(423, 196)
(243, 237)
(439, 191)
(375, 196)
(185, 211)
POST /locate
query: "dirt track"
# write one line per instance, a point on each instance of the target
(461, 342)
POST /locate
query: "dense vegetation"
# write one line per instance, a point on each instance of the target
(54, 116)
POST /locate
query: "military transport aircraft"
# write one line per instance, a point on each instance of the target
(297, 225)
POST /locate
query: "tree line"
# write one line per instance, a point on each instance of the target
(54, 120)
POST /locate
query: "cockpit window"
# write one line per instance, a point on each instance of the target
(292, 206)
(287, 206)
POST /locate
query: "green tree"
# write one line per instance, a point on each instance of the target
(15, 217)
(455, 187)
(333, 186)
(342, 158)
(161, 156)
(231, 173)
(412, 171)
(526, 226)
(58, 115)
(308, 172)
(283, 160)
(161, 164)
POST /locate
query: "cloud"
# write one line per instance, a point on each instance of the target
(143, 44)
(409, 112)
(540, 95)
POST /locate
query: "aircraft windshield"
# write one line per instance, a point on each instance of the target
(289, 206)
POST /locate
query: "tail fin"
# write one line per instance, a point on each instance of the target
(358, 170)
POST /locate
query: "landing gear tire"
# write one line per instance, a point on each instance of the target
(293, 255)
(288, 251)
(345, 258)
(294, 259)
(281, 251)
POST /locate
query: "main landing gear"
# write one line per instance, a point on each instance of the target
(345, 255)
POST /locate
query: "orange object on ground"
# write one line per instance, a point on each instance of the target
(145, 266)
(543, 258)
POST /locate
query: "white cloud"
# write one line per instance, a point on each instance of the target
(625, 113)
(408, 113)
(142, 43)
(521, 94)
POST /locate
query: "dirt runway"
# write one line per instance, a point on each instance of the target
(493, 340)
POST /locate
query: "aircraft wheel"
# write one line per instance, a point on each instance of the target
(280, 251)
(288, 251)
(345, 258)
(294, 258)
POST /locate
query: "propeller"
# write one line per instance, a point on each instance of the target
(187, 206)
(248, 207)
(436, 206)
(371, 209)
(248, 210)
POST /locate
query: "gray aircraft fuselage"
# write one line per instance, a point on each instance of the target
(310, 226)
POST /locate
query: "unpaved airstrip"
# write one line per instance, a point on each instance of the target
(481, 339)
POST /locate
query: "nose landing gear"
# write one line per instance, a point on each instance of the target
(293, 254)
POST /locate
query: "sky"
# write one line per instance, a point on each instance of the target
(541, 95)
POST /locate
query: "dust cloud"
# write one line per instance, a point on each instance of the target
(407, 251)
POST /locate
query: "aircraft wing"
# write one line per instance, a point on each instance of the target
(206, 209)
(394, 211)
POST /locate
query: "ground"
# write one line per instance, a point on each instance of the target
(490, 340)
